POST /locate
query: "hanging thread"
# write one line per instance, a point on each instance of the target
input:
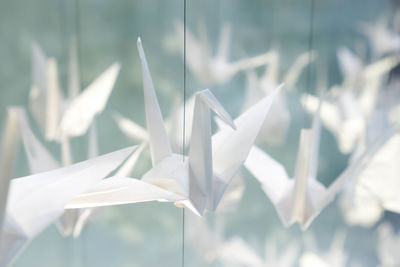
(78, 39)
(310, 49)
(77, 34)
(184, 123)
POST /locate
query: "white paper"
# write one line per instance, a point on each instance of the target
(275, 128)
(375, 181)
(335, 256)
(158, 139)
(79, 115)
(212, 69)
(39, 159)
(62, 117)
(199, 180)
(382, 39)
(302, 198)
(211, 245)
(347, 110)
(35, 201)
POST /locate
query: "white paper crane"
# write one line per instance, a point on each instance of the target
(36, 201)
(335, 256)
(383, 40)
(62, 118)
(275, 128)
(72, 222)
(236, 252)
(302, 198)
(40, 160)
(215, 69)
(59, 117)
(174, 127)
(351, 104)
(196, 182)
(375, 182)
(210, 244)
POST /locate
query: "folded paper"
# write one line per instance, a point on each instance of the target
(198, 181)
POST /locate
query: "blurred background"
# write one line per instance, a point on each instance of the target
(150, 234)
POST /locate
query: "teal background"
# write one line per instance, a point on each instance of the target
(150, 234)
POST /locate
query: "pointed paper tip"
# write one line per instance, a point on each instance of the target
(279, 88)
(116, 66)
(112, 71)
(207, 95)
(140, 48)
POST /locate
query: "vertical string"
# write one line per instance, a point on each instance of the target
(272, 41)
(77, 34)
(63, 29)
(62, 8)
(184, 79)
(184, 123)
(78, 38)
(310, 48)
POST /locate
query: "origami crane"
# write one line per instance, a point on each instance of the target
(353, 102)
(335, 256)
(383, 39)
(40, 160)
(275, 128)
(62, 118)
(35, 201)
(236, 252)
(73, 221)
(59, 117)
(211, 246)
(215, 69)
(197, 181)
(302, 198)
(375, 182)
(174, 127)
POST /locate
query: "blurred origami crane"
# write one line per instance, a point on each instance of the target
(197, 181)
(62, 118)
(375, 182)
(36, 201)
(354, 101)
(237, 252)
(215, 69)
(335, 256)
(275, 129)
(211, 245)
(302, 198)
(383, 39)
